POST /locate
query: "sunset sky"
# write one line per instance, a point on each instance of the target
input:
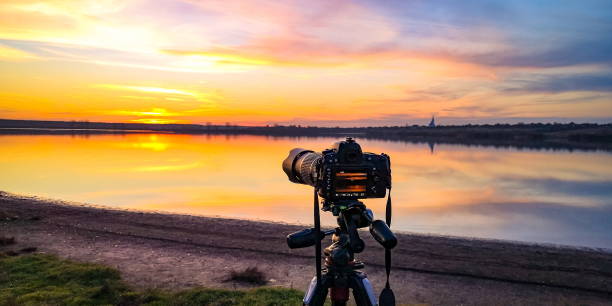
(310, 62)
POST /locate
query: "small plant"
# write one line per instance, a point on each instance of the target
(250, 275)
(28, 250)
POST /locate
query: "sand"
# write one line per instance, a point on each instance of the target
(181, 251)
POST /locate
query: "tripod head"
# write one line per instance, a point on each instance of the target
(352, 215)
(341, 268)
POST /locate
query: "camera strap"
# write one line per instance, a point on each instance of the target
(387, 297)
(317, 226)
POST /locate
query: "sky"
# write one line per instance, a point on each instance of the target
(326, 63)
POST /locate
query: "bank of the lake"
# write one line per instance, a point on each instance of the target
(180, 251)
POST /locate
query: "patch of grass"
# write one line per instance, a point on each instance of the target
(250, 275)
(43, 279)
(38, 279)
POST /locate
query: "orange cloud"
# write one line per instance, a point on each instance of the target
(171, 94)
(147, 89)
(155, 112)
(286, 54)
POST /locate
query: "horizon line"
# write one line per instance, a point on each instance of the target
(279, 125)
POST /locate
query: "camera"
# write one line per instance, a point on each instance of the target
(342, 175)
(342, 172)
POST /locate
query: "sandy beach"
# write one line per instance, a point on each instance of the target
(181, 251)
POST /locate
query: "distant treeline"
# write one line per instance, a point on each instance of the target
(585, 136)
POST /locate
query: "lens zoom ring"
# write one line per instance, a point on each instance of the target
(307, 167)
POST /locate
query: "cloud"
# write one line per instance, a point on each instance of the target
(479, 110)
(445, 92)
(230, 57)
(296, 53)
(169, 93)
(576, 53)
(12, 54)
(493, 34)
(156, 121)
(235, 32)
(160, 168)
(600, 82)
(320, 34)
(155, 115)
(154, 60)
(510, 34)
(147, 89)
(154, 112)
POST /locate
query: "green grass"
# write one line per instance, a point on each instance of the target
(39, 279)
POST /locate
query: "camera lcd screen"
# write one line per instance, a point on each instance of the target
(353, 181)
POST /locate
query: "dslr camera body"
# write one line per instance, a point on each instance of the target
(342, 175)
(342, 172)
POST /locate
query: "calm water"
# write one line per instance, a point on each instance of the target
(536, 196)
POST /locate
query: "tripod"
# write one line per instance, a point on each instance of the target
(341, 271)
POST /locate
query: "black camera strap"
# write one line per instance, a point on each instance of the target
(387, 297)
(317, 226)
(388, 251)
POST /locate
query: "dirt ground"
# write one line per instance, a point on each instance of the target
(181, 251)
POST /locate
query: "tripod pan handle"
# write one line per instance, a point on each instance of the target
(383, 234)
(304, 238)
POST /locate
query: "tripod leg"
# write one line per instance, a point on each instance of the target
(362, 290)
(316, 293)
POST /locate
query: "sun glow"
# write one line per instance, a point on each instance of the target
(156, 121)
(155, 112)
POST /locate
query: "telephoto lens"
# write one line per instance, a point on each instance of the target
(301, 166)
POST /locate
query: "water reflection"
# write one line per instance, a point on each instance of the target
(540, 196)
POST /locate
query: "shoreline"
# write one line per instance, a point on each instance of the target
(168, 250)
(424, 235)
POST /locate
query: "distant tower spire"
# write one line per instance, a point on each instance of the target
(432, 123)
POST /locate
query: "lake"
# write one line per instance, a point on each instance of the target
(546, 196)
